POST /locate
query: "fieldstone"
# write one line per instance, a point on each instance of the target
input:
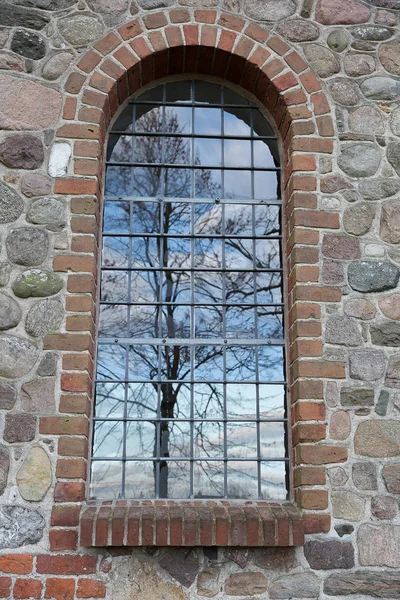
(17, 356)
(208, 582)
(348, 506)
(368, 365)
(269, 10)
(239, 556)
(34, 476)
(364, 476)
(329, 555)
(356, 65)
(340, 246)
(22, 152)
(27, 246)
(43, 317)
(322, 60)
(382, 404)
(5, 272)
(378, 439)
(298, 30)
(381, 88)
(299, 585)
(389, 55)
(38, 395)
(334, 183)
(245, 584)
(340, 330)
(393, 155)
(373, 276)
(10, 312)
(150, 4)
(352, 397)
(366, 120)
(11, 62)
(391, 476)
(338, 40)
(59, 158)
(341, 12)
(363, 583)
(331, 394)
(340, 425)
(344, 91)
(46, 211)
(374, 250)
(4, 468)
(379, 545)
(376, 189)
(28, 44)
(11, 204)
(47, 365)
(19, 428)
(80, 29)
(370, 33)
(351, 196)
(338, 476)
(345, 529)
(386, 333)
(8, 396)
(111, 10)
(383, 508)
(276, 559)
(33, 185)
(384, 17)
(57, 65)
(390, 222)
(332, 272)
(142, 579)
(46, 4)
(37, 283)
(392, 379)
(181, 565)
(20, 526)
(358, 218)
(4, 33)
(360, 309)
(359, 160)
(11, 16)
(395, 122)
(390, 306)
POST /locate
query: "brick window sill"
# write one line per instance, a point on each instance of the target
(190, 523)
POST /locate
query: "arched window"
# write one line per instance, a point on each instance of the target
(190, 383)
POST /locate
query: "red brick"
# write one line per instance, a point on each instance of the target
(73, 491)
(320, 368)
(5, 587)
(65, 516)
(63, 539)
(310, 82)
(80, 284)
(79, 303)
(70, 262)
(155, 20)
(108, 43)
(256, 33)
(309, 476)
(77, 131)
(308, 390)
(89, 61)
(125, 57)
(231, 22)
(27, 588)
(68, 468)
(63, 425)
(320, 455)
(87, 149)
(17, 564)
(68, 341)
(278, 45)
(75, 382)
(309, 411)
(76, 362)
(102, 83)
(130, 30)
(312, 499)
(93, 98)
(179, 16)
(321, 105)
(69, 109)
(74, 83)
(83, 243)
(90, 588)
(72, 446)
(205, 16)
(174, 36)
(314, 523)
(295, 62)
(325, 126)
(302, 144)
(60, 589)
(140, 46)
(76, 186)
(75, 404)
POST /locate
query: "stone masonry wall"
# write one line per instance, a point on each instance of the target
(343, 247)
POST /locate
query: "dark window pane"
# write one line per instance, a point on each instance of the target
(124, 120)
(210, 93)
(178, 91)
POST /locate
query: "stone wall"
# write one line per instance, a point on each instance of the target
(344, 296)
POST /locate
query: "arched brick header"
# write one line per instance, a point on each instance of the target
(264, 65)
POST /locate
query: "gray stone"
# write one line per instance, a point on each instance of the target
(329, 555)
(383, 508)
(340, 330)
(37, 283)
(22, 152)
(331, 394)
(392, 379)
(393, 155)
(5, 272)
(8, 396)
(389, 55)
(113, 11)
(338, 40)
(46, 211)
(386, 333)
(379, 545)
(37, 396)
(344, 91)
(366, 120)
(391, 476)
(340, 425)
(358, 218)
(376, 189)
(382, 404)
(340, 246)
(20, 526)
(80, 29)
(43, 317)
(45, 4)
(369, 33)
(368, 365)
(322, 60)
(299, 585)
(181, 565)
(378, 439)
(359, 308)
(356, 65)
(364, 583)
(17, 356)
(10, 312)
(150, 4)
(381, 88)
(47, 366)
(245, 584)
(352, 397)
(359, 160)
(4, 468)
(337, 476)
(298, 30)
(34, 476)
(11, 16)
(347, 506)
(28, 44)
(390, 222)
(27, 246)
(20, 427)
(57, 65)
(364, 476)
(373, 276)
(33, 184)
(395, 122)
(343, 530)
(11, 204)
(269, 10)
(208, 584)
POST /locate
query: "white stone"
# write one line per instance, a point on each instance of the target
(374, 250)
(59, 158)
(330, 203)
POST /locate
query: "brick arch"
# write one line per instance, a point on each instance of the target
(120, 64)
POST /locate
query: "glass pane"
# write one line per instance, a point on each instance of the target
(268, 254)
(208, 322)
(108, 439)
(240, 322)
(116, 217)
(145, 287)
(267, 185)
(145, 217)
(178, 183)
(273, 481)
(272, 401)
(237, 153)
(111, 362)
(269, 288)
(144, 322)
(124, 121)
(178, 119)
(176, 253)
(176, 218)
(207, 121)
(267, 220)
(266, 155)
(119, 148)
(175, 439)
(178, 476)
(139, 479)
(143, 362)
(140, 439)
(207, 219)
(176, 287)
(237, 122)
(237, 184)
(153, 95)
(242, 479)
(207, 92)
(208, 479)
(209, 401)
(207, 183)
(110, 400)
(242, 440)
(175, 365)
(239, 287)
(115, 252)
(118, 181)
(208, 287)
(182, 400)
(238, 219)
(114, 286)
(240, 363)
(176, 322)
(106, 480)
(207, 152)
(142, 400)
(148, 118)
(231, 97)
(239, 254)
(146, 181)
(208, 439)
(148, 149)
(145, 252)
(261, 125)
(270, 322)
(208, 363)
(241, 401)
(272, 437)
(178, 91)
(271, 363)
(208, 253)
(113, 321)
(177, 151)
